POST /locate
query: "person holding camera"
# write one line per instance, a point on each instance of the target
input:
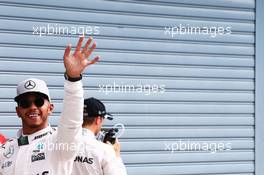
(96, 157)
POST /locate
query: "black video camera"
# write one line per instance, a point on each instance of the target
(108, 135)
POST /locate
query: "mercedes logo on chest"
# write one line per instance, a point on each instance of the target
(30, 84)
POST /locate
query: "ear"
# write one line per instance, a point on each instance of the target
(18, 112)
(97, 120)
(50, 108)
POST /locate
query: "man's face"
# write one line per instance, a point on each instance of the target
(34, 110)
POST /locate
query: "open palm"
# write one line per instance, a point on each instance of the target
(76, 63)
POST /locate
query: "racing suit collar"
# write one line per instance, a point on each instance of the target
(36, 135)
(88, 133)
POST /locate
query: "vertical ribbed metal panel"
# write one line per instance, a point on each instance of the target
(195, 89)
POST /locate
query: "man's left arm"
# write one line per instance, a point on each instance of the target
(69, 129)
(113, 163)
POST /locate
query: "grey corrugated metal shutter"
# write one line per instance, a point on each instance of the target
(209, 81)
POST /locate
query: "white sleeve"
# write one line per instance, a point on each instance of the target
(121, 166)
(70, 124)
(112, 165)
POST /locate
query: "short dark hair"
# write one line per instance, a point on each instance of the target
(88, 120)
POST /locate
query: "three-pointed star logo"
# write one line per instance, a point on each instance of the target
(9, 151)
(30, 84)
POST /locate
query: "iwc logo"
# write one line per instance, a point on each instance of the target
(30, 84)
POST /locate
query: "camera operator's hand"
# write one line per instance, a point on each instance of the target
(76, 63)
(116, 146)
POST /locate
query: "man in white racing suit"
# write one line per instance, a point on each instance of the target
(95, 157)
(40, 149)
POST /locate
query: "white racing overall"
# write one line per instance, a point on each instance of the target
(48, 152)
(96, 158)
